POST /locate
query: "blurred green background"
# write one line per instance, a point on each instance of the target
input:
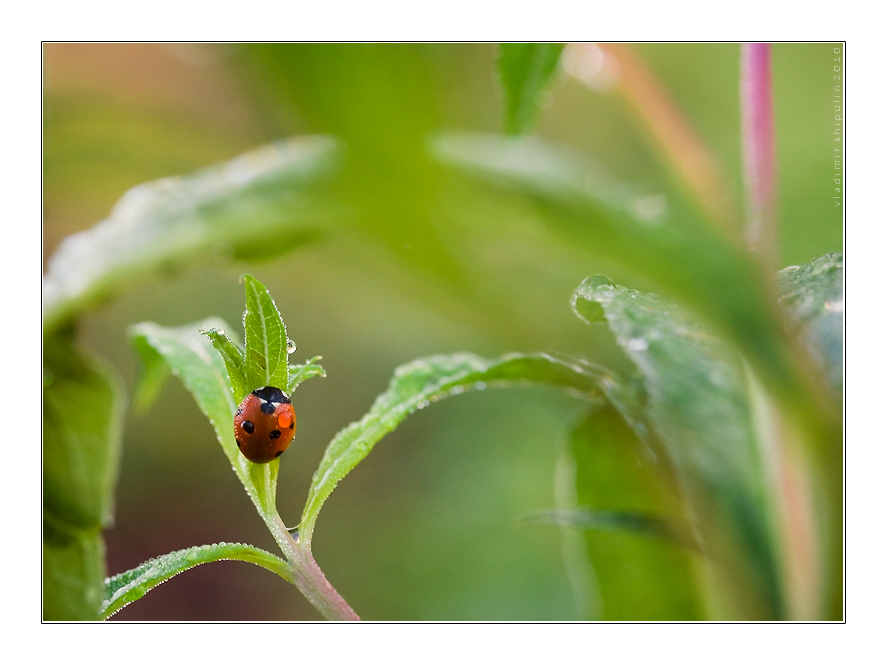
(425, 527)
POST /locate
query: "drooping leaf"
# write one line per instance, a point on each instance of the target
(83, 402)
(525, 71)
(255, 205)
(132, 585)
(697, 405)
(266, 339)
(812, 296)
(425, 380)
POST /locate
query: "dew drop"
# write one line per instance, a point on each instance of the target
(291, 346)
(599, 281)
(637, 344)
(480, 386)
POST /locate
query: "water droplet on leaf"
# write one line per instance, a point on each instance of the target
(291, 346)
(598, 281)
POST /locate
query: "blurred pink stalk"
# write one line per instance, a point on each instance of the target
(683, 148)
(759, 153)
(802, 564)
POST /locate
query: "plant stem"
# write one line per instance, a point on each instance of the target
(317, 589)
(308, 577)
(759, 153)
(306, 574)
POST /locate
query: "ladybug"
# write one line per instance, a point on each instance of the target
(264, 424)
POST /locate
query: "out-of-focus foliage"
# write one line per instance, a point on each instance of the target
(814, 299)
(248, 208)
(83, 404)
(697, 415)
(525, 70)
(410, 246)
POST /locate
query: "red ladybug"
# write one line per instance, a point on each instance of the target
(264, 424)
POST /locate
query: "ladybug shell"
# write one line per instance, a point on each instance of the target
(264, 424)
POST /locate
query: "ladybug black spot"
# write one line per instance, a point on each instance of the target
(248, 426)
(267, 408)
(278, 454)
(274, 434)
(292, 425)
(239, 443)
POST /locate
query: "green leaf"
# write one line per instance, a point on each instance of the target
(83, 403)
(254, 206)
(812, 295)
(266, 338)
(235, 363)
(426, 380)
(132, 585)
(193, 359)
(299, 373)
(611, 485)
(697, 404)
(525, 71)
(153, 372)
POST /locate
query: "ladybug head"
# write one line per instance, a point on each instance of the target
(272, 394)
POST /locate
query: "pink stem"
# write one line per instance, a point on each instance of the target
(759, 152)
(311, 581)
